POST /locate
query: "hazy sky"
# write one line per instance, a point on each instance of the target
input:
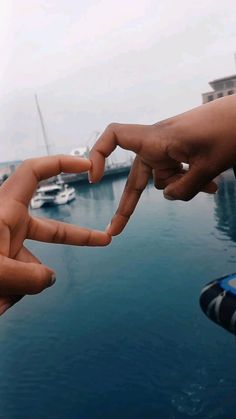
(92, 62)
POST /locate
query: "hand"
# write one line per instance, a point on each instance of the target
(203, 137)
(20, 271)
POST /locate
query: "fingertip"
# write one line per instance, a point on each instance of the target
(211, 188)
(106, 240)
(44, 278)
(52, 280)
(168, 196)
(97, 166)
(89, 164)
(90, 177)
(98, 238)
(173, 191)
(178, 190)
(114, 231)
(108, 228)
(86, 164)
(48, 276)
(117, 225)
(94, 176)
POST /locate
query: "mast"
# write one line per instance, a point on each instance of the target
(42, 125)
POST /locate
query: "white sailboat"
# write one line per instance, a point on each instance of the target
(55, 193)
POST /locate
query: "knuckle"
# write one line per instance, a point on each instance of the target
(126, 216)
(88, 239)
(131, 187)
(112, 126)
(112, 129)
(29, 162)
(32, 228)
(29, 166)
(60, 235)
(209, 174)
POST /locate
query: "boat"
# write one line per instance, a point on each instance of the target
(111, 170)
(56, 193)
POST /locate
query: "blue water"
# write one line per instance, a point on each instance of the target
(121, 334)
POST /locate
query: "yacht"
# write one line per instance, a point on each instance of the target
(57, 193)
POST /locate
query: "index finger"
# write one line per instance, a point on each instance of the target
(136, 183)
(52, 231)
(127, 136)
(23, 182)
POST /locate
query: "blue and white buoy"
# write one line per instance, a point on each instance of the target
(218, 301)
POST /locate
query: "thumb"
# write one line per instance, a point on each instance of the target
(18, 278)
(188, 184)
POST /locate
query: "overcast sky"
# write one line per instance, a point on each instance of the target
(92, 62)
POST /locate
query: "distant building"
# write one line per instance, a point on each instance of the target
(221, 87)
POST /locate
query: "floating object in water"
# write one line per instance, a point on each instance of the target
(218, 299)
(218, 302)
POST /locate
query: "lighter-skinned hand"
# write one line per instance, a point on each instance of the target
(20, 271)
(204, 138)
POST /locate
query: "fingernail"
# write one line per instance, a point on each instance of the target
(169, 197)
(108, 227)
(89, 178)
(52, 280)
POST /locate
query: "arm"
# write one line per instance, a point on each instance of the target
(204, 137)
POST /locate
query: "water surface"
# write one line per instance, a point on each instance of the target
(121, 334)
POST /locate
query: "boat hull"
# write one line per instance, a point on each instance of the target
(61, 198)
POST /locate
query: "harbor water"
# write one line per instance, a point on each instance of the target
(121, 333)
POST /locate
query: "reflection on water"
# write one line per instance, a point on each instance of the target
(102, 191)
(90, 199)
(225, 209)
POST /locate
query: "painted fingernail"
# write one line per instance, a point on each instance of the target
(52, 280)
